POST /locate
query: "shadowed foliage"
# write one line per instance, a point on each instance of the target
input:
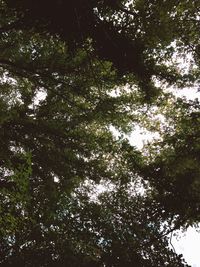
(73, 73)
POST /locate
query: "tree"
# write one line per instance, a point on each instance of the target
(176, 166)
(81, 234)
(63, 85)
(121, 32)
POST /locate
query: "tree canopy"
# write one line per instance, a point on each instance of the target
(72, 191)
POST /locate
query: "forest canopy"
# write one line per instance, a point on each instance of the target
(77, 77)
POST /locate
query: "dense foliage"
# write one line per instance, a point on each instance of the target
(72, 192)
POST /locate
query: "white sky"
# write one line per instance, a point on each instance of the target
(188, 244)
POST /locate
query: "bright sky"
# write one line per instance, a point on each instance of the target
(188, 244)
